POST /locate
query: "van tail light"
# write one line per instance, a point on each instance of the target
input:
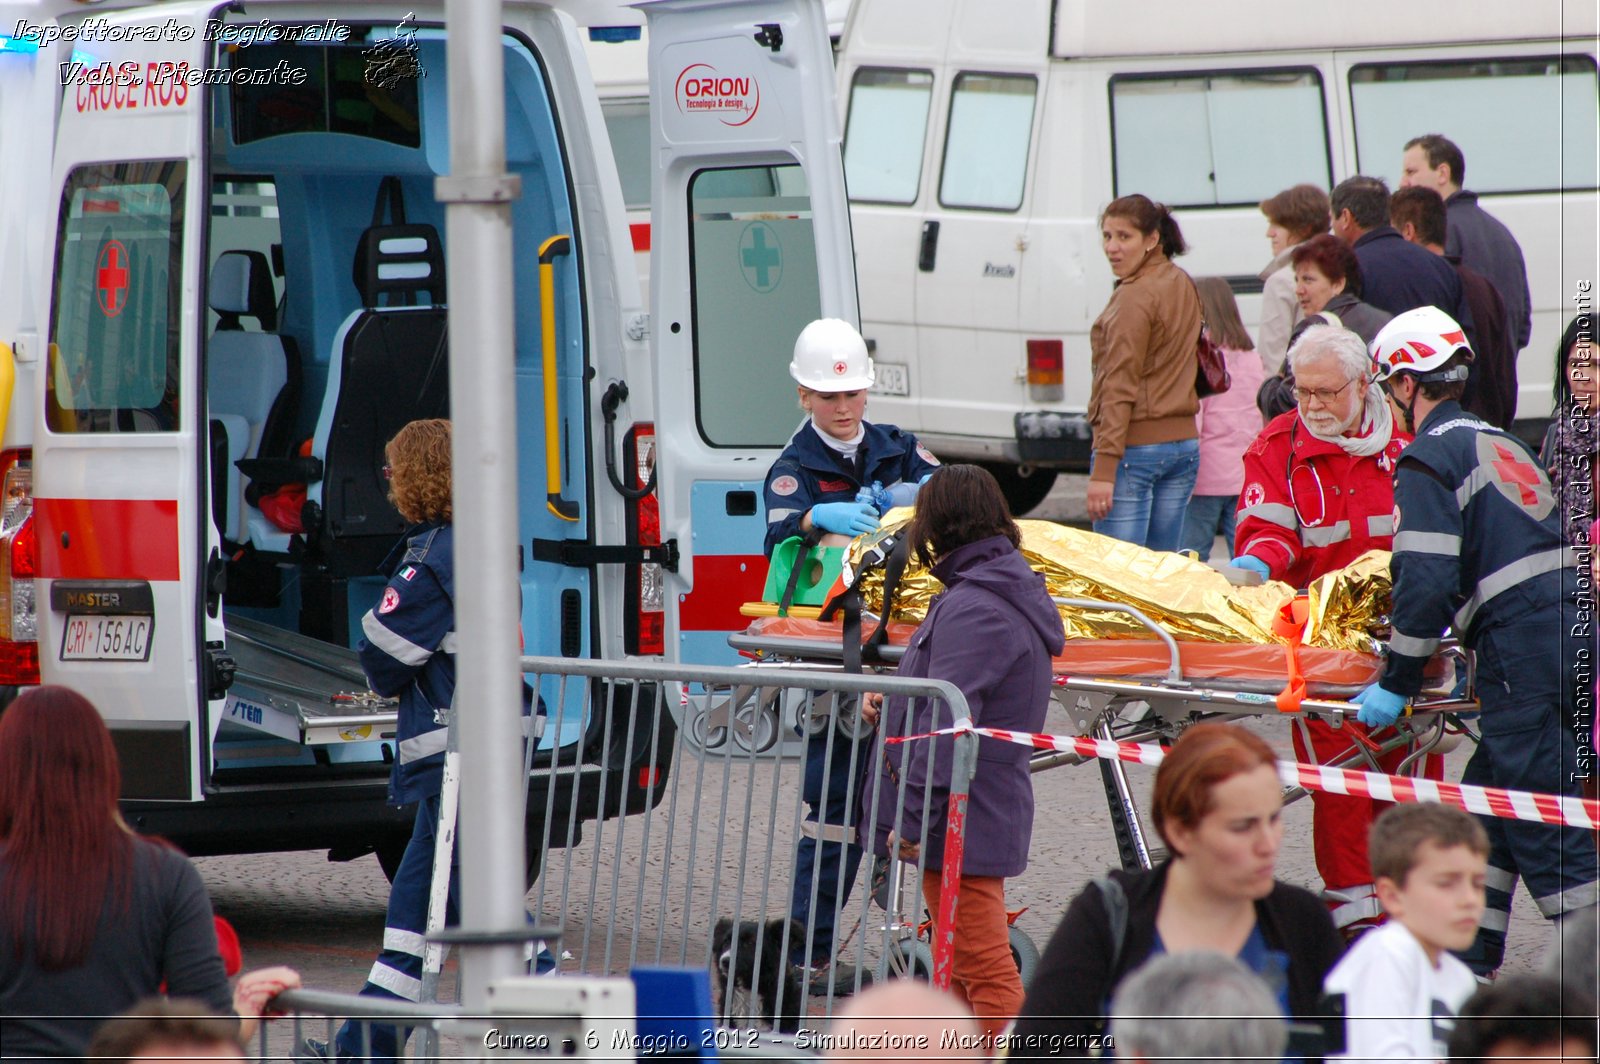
(1045, 360)
(19, 615)
(644, 615)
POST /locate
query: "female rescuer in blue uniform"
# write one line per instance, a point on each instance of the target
(1478, 548)
(838, 475)
(407, 651)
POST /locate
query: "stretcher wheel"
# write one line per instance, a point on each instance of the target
(702, 733)
(755, 727)
(1024, 952)
(911, 959)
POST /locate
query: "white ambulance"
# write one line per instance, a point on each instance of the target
(223, 287)
(982, 140)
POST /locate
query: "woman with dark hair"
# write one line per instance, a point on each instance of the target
(1571, 449)
(1327, 284)
(1217, 805)
(1294, 216)
(93, 918)
(1142, 400)
(991, 632)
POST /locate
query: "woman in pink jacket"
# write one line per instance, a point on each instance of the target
(1227, 423)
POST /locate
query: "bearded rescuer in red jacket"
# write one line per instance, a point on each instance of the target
(1319, 493)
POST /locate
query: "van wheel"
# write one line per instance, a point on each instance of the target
(1023, 493)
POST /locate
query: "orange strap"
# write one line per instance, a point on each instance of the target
(1290, 623)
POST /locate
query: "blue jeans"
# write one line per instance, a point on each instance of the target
(1151, 494)
(830, 788)
(1208, 517)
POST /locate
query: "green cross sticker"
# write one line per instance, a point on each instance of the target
(760, 256)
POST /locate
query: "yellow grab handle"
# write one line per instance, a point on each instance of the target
(565, 509)
(8, 378)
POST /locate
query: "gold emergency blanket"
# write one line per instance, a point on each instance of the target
(1189, 599)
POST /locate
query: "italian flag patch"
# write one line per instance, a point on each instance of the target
(408, 572)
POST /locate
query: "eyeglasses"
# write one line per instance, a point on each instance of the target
(1324, 396)
(388, 472)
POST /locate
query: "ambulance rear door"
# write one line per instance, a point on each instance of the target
(123, 533)
(751, 241)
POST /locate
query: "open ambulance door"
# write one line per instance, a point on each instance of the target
(125, 606)
(751, 242)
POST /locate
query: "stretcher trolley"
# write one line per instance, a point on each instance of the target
(1151, 689)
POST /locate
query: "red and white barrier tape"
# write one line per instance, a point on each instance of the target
(1487, 801)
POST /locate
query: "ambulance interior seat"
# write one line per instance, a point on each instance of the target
(253, 385)
(389, 365)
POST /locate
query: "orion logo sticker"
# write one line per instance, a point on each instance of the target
(733, 100)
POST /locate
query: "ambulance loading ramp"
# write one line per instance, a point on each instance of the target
(301, 689)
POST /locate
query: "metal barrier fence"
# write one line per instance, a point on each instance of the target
(740, 835)
(662, 845)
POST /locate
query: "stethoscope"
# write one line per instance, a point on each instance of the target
(1290, 471)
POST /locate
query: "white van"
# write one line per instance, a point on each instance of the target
(223, 279)
(982, 140)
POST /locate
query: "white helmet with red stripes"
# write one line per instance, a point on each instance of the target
(1420, 341)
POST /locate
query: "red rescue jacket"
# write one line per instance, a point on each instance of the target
(1308, 507)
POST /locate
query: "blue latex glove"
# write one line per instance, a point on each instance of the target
(1252, 563)
(1379, 707)
(905, 493)
(875, 496)
(845, 518)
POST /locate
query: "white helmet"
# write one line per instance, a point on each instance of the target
(830, 356)
(1420, 341)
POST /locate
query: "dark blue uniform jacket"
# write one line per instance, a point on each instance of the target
(1478, 543)
(809, 471)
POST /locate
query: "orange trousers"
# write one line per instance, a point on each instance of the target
(984, 975)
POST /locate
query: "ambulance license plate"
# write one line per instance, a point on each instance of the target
(106, 638)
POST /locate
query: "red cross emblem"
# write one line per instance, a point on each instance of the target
(839, 368)
(1511, 470)
(111, 278)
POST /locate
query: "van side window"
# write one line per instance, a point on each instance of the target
(754, 287)
(884, 136)
(1525, 125)
(1196, 140)
(117, 315)
(341, 92)
(986, 144)
(628, 128)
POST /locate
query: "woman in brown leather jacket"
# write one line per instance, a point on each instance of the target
(1142, 403)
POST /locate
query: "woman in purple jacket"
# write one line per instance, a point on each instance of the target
(991, 633)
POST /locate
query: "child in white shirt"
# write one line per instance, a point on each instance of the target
(1401, 986)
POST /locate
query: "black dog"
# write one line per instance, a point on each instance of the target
(733, 961)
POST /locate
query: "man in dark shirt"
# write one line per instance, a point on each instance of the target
(1395, 276)
(1418, 214)
(1478, 237)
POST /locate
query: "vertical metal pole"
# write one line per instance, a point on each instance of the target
(478, 193)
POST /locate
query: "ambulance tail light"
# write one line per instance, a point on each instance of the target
(1045, 361)
(644, 622)
(19, 618)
